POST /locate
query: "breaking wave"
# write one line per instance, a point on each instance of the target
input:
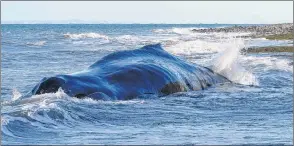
(85, 35)
(228, 64)
(50, 112)
(39, 43)
(175, 30)
(226, 57)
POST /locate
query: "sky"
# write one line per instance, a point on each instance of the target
(233, 12)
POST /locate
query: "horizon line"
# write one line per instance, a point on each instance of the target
(134, 23)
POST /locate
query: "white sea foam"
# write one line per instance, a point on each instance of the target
(33, 99)
(196, 46)
(85, 35)
(175, 30)
(270, 63)
(227, 61)
(182, 30)
(47, 100)
(158, 30)
(189, 31)
(40, 109)
(39, 43)
(127, 39)
(228, 64)
(5, 121)
(93, 101)
(124, 39)
(15, 94)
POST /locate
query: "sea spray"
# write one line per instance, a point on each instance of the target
(227, 63)
(15, 94)
(226, 58)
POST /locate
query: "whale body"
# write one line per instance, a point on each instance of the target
(129, 74)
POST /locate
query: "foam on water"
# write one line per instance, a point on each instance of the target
(85, 35)
(182, 31)
(30, 107)
(158, 31)
(39, 43)
(195, 46)
(47, 100)
(203, 43)
(127, 39)
(52, 110)
(227, 63)
(39, 119)
(270, 63)
(16, 94)
(123, 39)
(175, 30)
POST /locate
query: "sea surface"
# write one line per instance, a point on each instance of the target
(256, 108)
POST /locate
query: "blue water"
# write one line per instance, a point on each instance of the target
(255, 109)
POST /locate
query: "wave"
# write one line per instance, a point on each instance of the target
(189, 31)
(195, 46)
(39, 43)
(50, 111)
(186, 37)
(226, 57)
(124, 39)
(45, 100)
(175, 30)
(228, 61)
(228, 64)
(85, 35)
(158, 30)
(16, 94)
(270, 63)
(157, 73)
(127, 39)
(182, 30)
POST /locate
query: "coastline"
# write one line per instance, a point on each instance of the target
(269, 49)
(283, 31)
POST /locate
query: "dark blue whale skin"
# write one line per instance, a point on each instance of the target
(129, 74)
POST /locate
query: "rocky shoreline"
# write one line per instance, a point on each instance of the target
(269, 49)
(283, 31)
(255, 30)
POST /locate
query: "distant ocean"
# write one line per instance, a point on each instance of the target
(255, 109)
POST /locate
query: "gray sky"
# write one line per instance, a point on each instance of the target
(147, 12)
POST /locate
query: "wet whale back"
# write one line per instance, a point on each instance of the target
(128, 74)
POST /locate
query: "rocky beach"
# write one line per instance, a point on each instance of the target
(282, 31)
(255, 30)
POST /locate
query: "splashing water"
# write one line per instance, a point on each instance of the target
(228, 60)
(16, 94)
(227, 63)
(209, 115)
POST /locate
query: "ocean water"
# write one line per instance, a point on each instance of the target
(256, 108)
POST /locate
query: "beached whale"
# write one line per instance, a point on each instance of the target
(128, 74)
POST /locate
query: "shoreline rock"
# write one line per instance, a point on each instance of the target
(269, 49)
(255, 30)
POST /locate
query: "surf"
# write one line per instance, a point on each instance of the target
(124, 75)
